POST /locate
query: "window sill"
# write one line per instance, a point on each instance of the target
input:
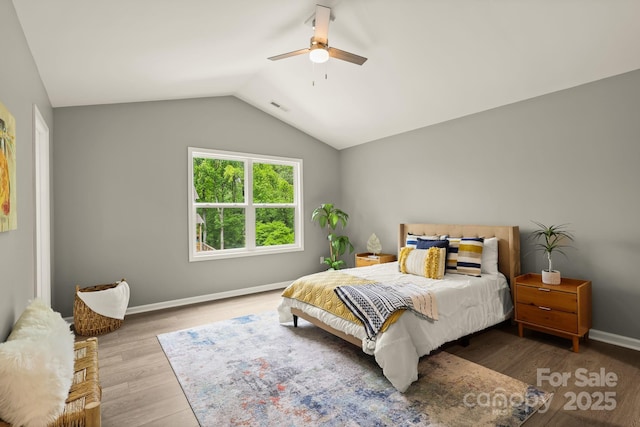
(242, 253)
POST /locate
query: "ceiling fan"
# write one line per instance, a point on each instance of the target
(319, 50)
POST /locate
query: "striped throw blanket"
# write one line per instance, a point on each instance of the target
(374, 303)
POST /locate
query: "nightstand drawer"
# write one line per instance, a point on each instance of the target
(543, 315)
(563, 301)
(563, 310)
(366, 259)
(363, 262)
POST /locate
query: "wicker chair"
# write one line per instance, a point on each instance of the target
(82, 408)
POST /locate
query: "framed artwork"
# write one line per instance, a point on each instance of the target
(8, 205)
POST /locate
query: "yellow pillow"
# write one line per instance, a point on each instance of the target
(429, 263)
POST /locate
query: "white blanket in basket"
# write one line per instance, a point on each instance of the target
(110, 302)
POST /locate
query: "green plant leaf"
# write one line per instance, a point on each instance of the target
(333, 220)
(550, 239)
(329, 217)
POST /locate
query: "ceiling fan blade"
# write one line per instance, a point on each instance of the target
(346, 56)
(323, 15)
(290, 54)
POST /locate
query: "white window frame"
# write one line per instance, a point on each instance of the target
(250, 248)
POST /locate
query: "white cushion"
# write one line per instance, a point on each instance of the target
(36, 367)
(428, 263)
(490, 256)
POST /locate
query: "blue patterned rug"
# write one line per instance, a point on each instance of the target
(252, 371)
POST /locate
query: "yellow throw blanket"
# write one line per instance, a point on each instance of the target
(318, 290)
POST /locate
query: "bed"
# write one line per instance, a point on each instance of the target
(465, 303)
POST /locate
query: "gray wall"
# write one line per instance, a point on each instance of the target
(119, 196)
(568, 157)
(20, 89)
(120, 179)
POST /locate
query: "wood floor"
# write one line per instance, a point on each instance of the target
(140, 388)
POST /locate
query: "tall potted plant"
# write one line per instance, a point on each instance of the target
(329, 217)
(550, 239)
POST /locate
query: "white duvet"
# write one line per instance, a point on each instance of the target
(465, 305)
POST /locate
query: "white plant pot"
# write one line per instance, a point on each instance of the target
(551, 277)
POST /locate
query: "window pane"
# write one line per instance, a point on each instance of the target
(272, 183)
(237, 212)
(219, 228)
(275, 226)
(218, 181)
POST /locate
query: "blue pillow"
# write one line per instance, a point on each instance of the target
(426, 244)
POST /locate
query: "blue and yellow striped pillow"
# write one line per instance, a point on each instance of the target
(465, 255)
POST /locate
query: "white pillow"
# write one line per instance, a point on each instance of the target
(36, 367)
(39, 319)
(428, 263)
(490, 256)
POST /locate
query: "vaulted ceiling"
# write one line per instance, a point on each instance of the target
(428, 60)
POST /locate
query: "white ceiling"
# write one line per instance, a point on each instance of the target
(429, 60)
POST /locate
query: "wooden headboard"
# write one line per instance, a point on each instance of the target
(508, 241)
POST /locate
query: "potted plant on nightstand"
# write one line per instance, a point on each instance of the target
(551, 239)
(328, 216)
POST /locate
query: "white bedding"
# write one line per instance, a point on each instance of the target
(465, 305)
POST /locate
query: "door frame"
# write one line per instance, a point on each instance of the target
(42, 180)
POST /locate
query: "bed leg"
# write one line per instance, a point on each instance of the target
(295, 321)
(465, 341)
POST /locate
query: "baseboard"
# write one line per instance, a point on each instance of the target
(205, 298)
(594, 334)
(619, 340)
(201, 298)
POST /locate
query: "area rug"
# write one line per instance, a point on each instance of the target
(253, 371)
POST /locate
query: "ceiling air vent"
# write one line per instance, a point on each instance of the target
(280, 107)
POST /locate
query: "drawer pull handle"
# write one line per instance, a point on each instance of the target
(544, 289)
(544, 308)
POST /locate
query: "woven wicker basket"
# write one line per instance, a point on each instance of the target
(86, 321)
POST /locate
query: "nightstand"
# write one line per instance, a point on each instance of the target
(563, 310)
(367, 258)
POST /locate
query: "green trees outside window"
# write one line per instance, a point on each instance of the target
(243, 203)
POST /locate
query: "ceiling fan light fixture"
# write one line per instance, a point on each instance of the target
(319, 50)
(318, 54)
